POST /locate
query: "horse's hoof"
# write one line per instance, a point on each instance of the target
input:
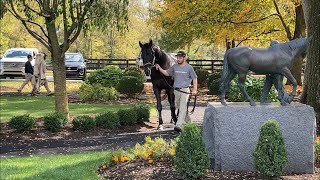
(283, 103)
(290, 98)
(252, 103)
(224, 103)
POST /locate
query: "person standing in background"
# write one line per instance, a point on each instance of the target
(28, 69)
(40, 69)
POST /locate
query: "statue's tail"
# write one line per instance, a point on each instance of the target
(225, 73)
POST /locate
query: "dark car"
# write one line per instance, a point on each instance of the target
(75, 66)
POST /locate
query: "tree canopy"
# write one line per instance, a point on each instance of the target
(213, 21)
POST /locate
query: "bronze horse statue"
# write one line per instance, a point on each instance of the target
(277, 59)
(151, 55)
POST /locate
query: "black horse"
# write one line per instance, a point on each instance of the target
(151, 55)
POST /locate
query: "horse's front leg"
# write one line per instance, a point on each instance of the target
(157, 93)
(241, 81)
(287, 73)
(170, 93)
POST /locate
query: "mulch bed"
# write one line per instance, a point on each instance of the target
(141, 170)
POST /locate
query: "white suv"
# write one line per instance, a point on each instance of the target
(12, 63)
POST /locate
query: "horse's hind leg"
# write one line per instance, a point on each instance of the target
(170, 93)
(287, 73)
(241, 81)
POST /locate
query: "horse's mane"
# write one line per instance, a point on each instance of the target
(291, 45)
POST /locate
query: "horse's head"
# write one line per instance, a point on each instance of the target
(300, 47)
(148, 56)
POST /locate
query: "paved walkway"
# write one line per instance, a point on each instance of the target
(55, 146)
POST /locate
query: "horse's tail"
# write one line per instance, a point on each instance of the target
(225, 72)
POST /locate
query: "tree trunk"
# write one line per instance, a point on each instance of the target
(59, 75)
(59, 72)
(311, 88)
(300, 29)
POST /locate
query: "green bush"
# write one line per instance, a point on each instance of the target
(108, 120)
(202, 76)
(254, 88)
(83, 123)
(213, 82)
(270, 154)
(318, 152)
(130, 86)
(22, 123)
(127, 116)
(191, 159)
(107, 77)
(135, 72)
(55, 121)
(97, 92)
(143, 113)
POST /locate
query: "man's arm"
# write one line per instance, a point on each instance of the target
(195, 86)
(164, 72)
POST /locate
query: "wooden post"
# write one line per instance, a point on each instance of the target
(98, 65)
(212, 66)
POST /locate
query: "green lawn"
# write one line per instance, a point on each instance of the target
(74, 166)
(39, 106)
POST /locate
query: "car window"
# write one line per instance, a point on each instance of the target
(17, 53)
(73, 57)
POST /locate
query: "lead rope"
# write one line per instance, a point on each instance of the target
(189, 100)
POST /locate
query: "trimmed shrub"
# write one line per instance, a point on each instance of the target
(254, 88)
(83, 123)
(130, 86)
(135, 72)
(318, 152)
(270, 154)
(108, 120)
(202, 76)
(55, 121)
(127, 116)
(191, 159)
(143, 113)
(89, 92)
(107, 77)
(213, 82)
(22, 123)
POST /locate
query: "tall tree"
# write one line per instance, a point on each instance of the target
(311, 86)
(58, 23)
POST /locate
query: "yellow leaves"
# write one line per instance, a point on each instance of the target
(121, 158)
(172, 151)
(148, 139)
(115, 159)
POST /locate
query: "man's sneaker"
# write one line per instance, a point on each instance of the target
(177, 129)
(160, 127)
(50, 93)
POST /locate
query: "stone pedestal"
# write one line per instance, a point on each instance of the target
(231, 134)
